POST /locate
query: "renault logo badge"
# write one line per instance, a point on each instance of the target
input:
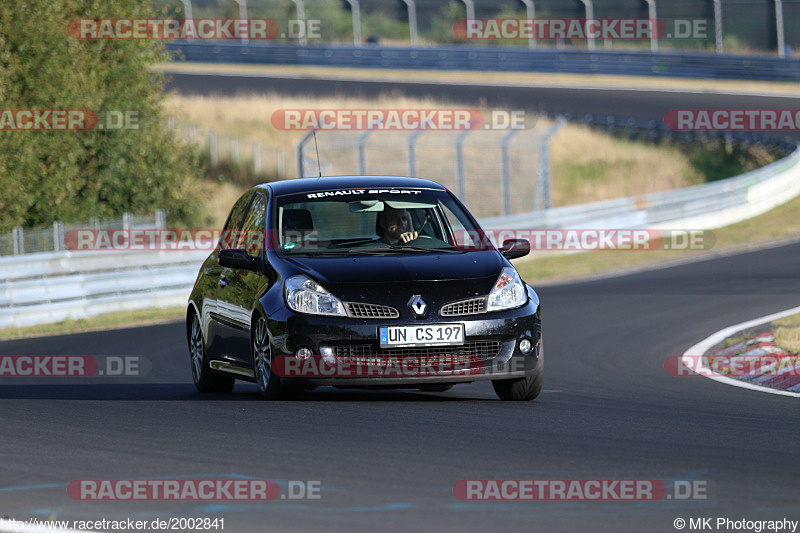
(418, 306)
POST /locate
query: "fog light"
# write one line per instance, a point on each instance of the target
(525, 346)
(303, 353)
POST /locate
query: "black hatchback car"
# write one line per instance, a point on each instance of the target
(366, 282)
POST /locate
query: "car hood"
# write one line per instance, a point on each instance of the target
(397, 268)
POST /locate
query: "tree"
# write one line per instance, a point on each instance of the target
(72, 175)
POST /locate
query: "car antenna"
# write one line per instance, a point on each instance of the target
(319, 165)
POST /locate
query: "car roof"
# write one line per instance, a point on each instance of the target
(301, 185)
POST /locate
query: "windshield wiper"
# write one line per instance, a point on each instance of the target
(399, 249)
(423, 249)
(315, 253)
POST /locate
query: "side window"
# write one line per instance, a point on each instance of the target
(460, 237)
(230, 232)
(253, 232)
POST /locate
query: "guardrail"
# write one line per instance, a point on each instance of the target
(686, 65)
(707, 206)
(50, 287)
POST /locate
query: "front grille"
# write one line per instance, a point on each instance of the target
(366, 353)
(473, 306)
(359, 310)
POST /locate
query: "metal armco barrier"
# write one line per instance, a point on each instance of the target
(685, 65)
(53, 286)
(708, 206)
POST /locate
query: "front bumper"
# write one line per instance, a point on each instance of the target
(492, 341)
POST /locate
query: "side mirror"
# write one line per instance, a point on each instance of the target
(514, 248)
(235, 258)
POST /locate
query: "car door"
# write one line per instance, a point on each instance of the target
(240, 288)
(215, 274)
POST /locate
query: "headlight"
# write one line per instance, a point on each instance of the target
(305, 295)
(508, 292)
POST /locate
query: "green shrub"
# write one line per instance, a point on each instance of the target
(71, 175)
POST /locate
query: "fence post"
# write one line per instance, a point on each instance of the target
(235, 151)
(718, 26)
(651, 13)
(362, 142)
(543, 183)
(412, 21)
(779, 28)
(300, 145)
(301, 14)
(460, 192)
(161, 219)
(530, 10)
(127, 220)
(411, 160)
(212, 148)
(19, 240)
(589, 9)
(256, 159)
(58, 236)
(504, 157)
(356, 12)
(243, 16)
(192, 133)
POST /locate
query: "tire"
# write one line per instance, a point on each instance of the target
(204, 379)
(519, 389)
(269, 383)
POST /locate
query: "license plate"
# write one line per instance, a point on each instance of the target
(434, 335)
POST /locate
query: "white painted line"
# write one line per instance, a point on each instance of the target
(703, 346)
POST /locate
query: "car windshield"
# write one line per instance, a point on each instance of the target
(373, 221)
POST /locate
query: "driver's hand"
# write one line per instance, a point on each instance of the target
(408, 236)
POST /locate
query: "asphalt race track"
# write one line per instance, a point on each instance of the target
(638, 104)
(388, 460)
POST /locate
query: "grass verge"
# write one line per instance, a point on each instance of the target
(787, 333)
(779, 224)
(122, 319)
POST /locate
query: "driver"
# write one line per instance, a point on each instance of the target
(394, 225)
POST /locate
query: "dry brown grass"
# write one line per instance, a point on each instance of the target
(587, 165)
(249, 116)
(788, 321)
(788, 339)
